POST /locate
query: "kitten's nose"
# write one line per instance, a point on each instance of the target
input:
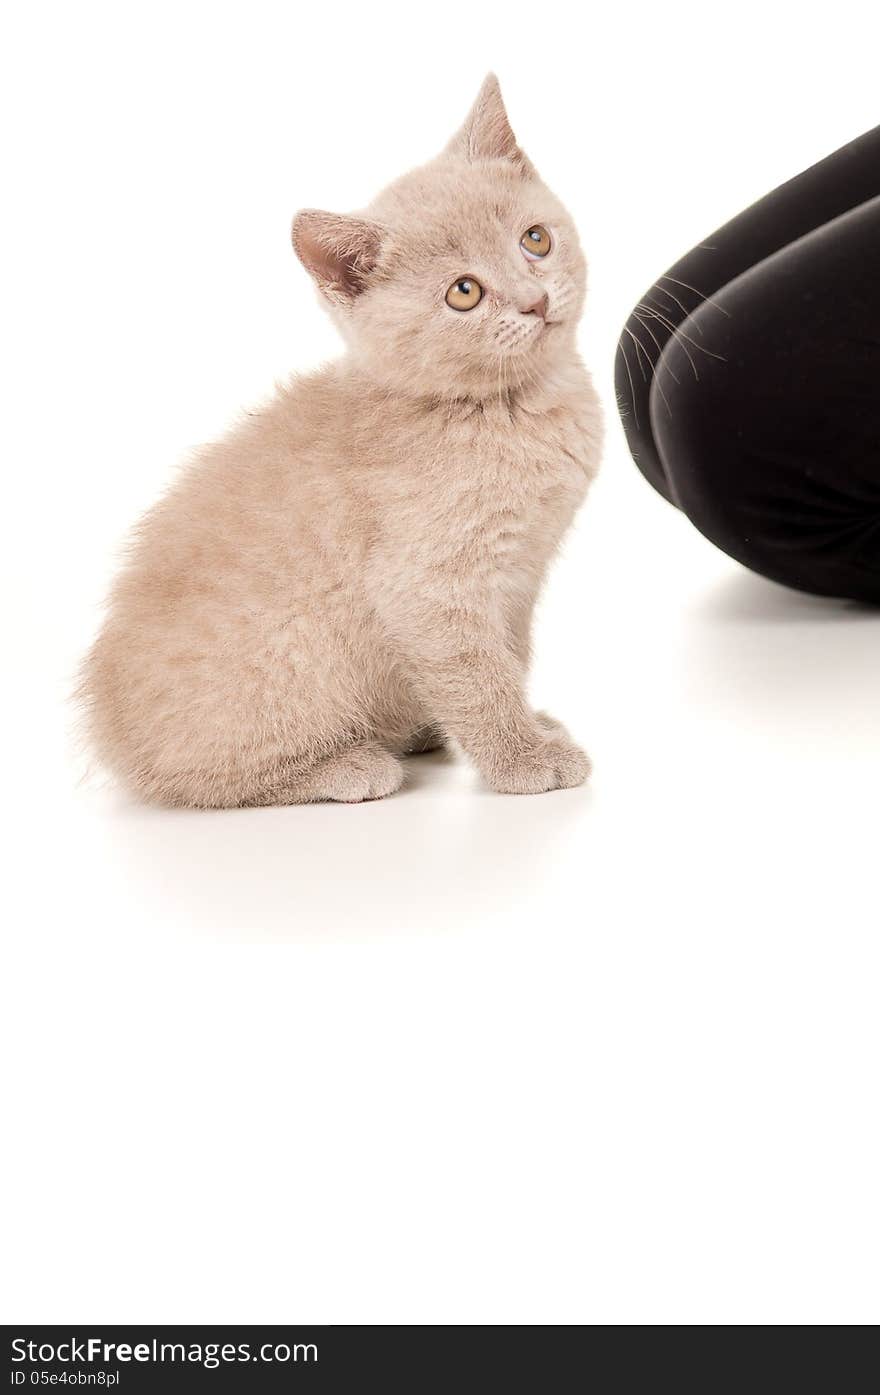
(539, 308)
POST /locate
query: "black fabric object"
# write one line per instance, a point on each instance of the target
(748, 378)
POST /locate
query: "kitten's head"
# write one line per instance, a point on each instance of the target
(463, 278)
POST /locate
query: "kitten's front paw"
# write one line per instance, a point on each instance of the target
(554, 765)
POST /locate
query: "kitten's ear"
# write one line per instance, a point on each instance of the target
(487, 133)
(338, 250)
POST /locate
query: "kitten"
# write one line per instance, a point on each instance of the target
(350, 575)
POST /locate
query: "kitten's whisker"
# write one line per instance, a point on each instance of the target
(680, 303)
(654, 378)
(639, 347)
(680, 333)
(632, 389)
(701, 294)
(664, 320)
(647, 327)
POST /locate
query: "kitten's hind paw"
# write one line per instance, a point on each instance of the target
(424, 740)
(354, 775)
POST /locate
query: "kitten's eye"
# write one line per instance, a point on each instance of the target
(536, 242)
(464, 294)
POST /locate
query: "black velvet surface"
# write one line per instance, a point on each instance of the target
(748, 378)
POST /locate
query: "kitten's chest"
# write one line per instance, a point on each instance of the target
(489, 491)
(526, 472)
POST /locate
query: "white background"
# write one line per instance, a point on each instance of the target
(607, 1055)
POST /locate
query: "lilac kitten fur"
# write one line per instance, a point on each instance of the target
(350, 575)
